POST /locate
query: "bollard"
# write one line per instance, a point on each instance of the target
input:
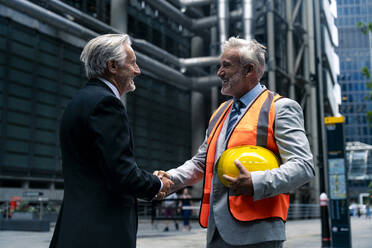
(326, 237)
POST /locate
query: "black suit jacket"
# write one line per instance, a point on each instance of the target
(101, 177)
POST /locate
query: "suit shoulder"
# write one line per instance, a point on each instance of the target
(92, 95)
(285, 102)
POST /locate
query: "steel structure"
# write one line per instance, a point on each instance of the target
(291, 30)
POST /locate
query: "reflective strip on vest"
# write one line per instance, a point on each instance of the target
(263, 121)
(217, 118)
(257, 128)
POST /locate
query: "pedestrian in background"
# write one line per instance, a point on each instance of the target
(170, 210)
(185, 206)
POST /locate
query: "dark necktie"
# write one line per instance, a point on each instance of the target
(234, 115)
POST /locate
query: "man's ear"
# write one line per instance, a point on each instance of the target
(247, 68)
(112, 66)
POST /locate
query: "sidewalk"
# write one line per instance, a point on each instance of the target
(300, 234)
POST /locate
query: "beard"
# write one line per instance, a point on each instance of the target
(228, 85)
(129, 86)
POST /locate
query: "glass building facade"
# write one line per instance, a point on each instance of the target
(354, 52)
(359, 162)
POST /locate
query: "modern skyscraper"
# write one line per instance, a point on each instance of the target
(354, 52)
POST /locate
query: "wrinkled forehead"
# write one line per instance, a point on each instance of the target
(230, 55)
(129, 51)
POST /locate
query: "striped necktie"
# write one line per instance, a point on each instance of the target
(234, 115)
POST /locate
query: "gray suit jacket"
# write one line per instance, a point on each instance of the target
(296, 169)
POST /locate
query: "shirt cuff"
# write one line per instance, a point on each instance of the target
(258, 188)
(161, 185)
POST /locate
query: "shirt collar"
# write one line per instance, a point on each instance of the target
(111, 86)
(251, 95)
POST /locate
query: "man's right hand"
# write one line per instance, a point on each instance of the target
(167, 184)
(162, 174)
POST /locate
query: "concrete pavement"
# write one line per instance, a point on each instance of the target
(300, 234)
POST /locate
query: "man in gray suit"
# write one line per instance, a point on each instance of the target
(242, 65)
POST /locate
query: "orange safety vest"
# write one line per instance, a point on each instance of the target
(256, 127)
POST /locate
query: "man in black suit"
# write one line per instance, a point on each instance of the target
(101, 177)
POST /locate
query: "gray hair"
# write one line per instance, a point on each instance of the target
(98, 51)
(250, 51)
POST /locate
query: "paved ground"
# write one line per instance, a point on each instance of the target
(300, 234)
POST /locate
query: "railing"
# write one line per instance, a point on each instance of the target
(30, 209)
(303, 211)
(158, 210)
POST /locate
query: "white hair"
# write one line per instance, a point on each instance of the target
(250, 51)
(98, 51)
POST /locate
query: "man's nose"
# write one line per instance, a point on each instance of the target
(137, 70)
(220, 72)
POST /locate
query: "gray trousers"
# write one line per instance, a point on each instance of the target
(218, 242)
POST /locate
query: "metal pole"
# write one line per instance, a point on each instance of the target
(271, 46)
(223, 21)
(119, 20)
(119, 15)
(248, 19)
(214, 49)
(290, 49)
(198, 115)
(309, 68)
(197, 103)
(326, 241)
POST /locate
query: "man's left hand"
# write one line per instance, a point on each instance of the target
(241, 185)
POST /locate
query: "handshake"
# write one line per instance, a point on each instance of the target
(167, 184)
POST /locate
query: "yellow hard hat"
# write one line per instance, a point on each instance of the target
(253, 158)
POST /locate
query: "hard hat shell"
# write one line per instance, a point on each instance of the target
(253, 158)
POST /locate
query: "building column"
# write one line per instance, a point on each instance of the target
(214, 51)
(271, 46)
(290, 49)
(119, 20)
(119, 15)
(311, 110)
(198, 113)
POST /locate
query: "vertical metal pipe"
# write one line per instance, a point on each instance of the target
(311, 128)
(214, 42)
(223, 20)
(198, 115)
(309, 69)
(197, 103)
(290, 50)
(320, 100)
(323, 158)
(119, 20)
(271, 45)
(119, 15)
(248, 19)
